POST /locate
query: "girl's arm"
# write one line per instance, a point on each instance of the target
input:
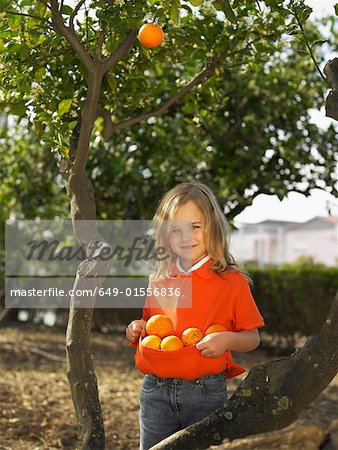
(215, 344)
(242, 341)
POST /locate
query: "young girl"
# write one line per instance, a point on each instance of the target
(183, 386)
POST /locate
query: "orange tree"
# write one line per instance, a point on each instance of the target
(77, 73)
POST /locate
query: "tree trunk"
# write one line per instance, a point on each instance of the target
(90, 275)
(80, 369)
(331, 72)
(272, 395)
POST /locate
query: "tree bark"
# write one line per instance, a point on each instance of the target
(272, 395)
(331, 72)
(80, 369)
(90, 275)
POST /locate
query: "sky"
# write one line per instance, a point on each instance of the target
(296, 207)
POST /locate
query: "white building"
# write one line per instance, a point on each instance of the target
(274, 242)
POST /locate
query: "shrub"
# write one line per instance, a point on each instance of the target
(294, 300)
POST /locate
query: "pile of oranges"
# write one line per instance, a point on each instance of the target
(160, 334)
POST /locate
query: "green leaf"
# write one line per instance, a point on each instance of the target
(293, 29)
(66, 10)
(18, 109)
(64, 106)
(72, 125)
(305, 13)
(336, 9)
(196, 2)
(302, 52)
(112, 83)
(39, 127)
(319, 42)
(229, 12)
(218, 5)
(174, 12)
(133, 24)
(188, 108)
(3, 4)
(146, 51)
(103, 16)
(39, 74)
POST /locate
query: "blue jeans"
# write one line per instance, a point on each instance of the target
(168, 405)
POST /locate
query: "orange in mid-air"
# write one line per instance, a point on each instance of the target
(191, 336)
(170, 343)
(150, 35)
(160, 325)
(214, 328)
(152, 341)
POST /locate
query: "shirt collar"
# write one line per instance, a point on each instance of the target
(201, 269)
(192, 268)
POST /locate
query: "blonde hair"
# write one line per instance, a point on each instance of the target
(217, 228)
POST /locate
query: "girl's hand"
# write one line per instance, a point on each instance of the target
(213, 345)
(135, 329)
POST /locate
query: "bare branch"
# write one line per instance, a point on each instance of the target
(122, 50)
(71, 37)
(73, 15)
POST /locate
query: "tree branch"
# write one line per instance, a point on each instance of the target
(14, 13)
(71, 37)
(98, 51)
(272, 395)
(88, 118)
(123, 49)
(199, 79)
(331, 104)
(248, 201)
(294, 12)
(73, 15)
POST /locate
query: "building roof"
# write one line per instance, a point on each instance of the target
(292, 224)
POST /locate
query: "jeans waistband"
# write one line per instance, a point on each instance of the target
(182, 381)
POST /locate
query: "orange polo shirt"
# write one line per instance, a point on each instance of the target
(205, 298)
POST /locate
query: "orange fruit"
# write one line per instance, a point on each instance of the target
(160, 325)
(170, 343)
(150, 35)
(152, 341)
(214, 328)
(191, 336)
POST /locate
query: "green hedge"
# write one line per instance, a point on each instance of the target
(294, 300)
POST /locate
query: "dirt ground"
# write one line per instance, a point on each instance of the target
(36, 410)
